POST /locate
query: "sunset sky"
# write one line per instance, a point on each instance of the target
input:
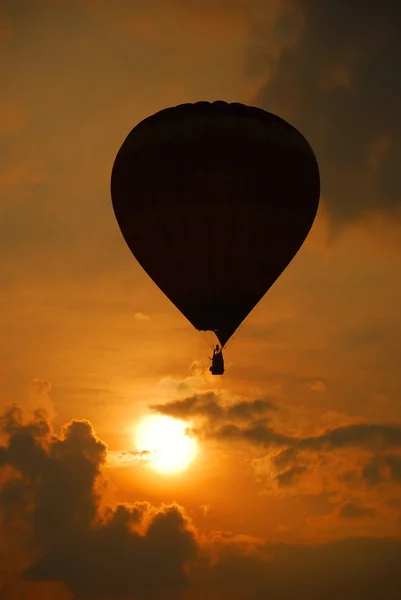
(295, 490)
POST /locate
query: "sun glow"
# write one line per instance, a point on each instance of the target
(170, 449)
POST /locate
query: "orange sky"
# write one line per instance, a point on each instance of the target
(85, 335)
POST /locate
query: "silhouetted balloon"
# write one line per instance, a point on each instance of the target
(214, 200)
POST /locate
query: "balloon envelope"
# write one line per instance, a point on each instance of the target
(214, 200)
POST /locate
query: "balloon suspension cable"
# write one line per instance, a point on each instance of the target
(202, 332)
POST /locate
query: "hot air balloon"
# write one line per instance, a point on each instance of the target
(214, 200)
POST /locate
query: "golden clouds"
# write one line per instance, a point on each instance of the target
(51, 498)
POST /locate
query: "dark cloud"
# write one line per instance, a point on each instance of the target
(52, 491)
(284, 458)
(114, 561)
(12, 421)
(365, 435)
(258, 434)
(209, 406)
(248, 421)
(293, 461)
(25, 451)
(219, 422)
(353, 568)
(338, 82)
(372, 473)
(383, 467)
(138, 454)
(352, 511)
(50, 497)
(289, 476)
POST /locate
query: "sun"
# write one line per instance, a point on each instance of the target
(171, 450)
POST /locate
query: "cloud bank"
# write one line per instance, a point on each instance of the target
(50, 507)
(336, 79)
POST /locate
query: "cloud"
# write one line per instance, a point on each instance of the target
(338, 458)
(115, 561)
(362, 435)
(52, 490)
(39, 395)
(251, 421)
(214, 417)
(343, 93)
(258, 435)
(288, 477)
(342, 462)
(351, 568)
(141, 317)
(352, 511)
(366, 435)
(318, 386)
(209, 406)
(284, 458)
(50, 505)
(382, 468)
(126, 458)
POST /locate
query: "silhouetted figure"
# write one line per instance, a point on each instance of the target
(217, 367)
